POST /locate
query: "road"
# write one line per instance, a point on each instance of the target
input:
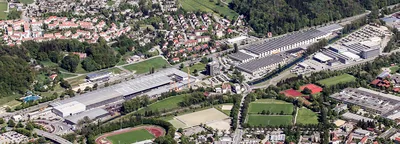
(53, 137)
(237, 135)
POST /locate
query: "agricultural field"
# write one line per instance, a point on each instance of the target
(273, 106)
(3, 9)
(337, 79)
(131, 137)
(267, 120)
(165, 104)
(145, 66)
(198, 66)
(306, 116)
(208, 6)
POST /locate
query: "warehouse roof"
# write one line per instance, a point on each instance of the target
(283, 41)
(322, 57)
(356, 117)
(254, 65)
(92, 114)
(71, 107)
(126, 88)
(240, 56)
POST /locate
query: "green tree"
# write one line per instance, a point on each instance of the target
(70, 63)
(11, 123)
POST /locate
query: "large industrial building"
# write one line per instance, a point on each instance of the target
(152, 84)
(376, 102)
(69, 109)
(261, 64)
(262, 56)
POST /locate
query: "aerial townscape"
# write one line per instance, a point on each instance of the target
(200, 71)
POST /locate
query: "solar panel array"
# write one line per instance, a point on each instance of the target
(254, 65)
(285, 41)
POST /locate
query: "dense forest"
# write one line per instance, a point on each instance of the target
(282, 16)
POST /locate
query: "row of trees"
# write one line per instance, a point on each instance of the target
(235, 110)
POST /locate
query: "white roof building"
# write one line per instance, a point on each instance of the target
(69, 109)
(322, 57)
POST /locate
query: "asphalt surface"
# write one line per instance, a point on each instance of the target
(53, 137)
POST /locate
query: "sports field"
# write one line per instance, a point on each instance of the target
(208, 6)
(165, 104)
(131, 137)
(273, 106)
(337, 79)
(201, 117)
(306, 116)
(145, 66)
(3, 8)
(266, 120)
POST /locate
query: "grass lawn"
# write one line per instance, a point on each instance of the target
(49, 64)
(78, 80)
(198, 66)
(394, 69)
(147, 26)
(165, 104)
(9, 99)
(131, 137)
(306, 116)
(337, 79)
(79, 69)
(115, 70)
(26, 1)
(67, 75)
(266, 120)
(145, 66)
(110, 2)
(3, 8)
(273, 108)
(207, 6)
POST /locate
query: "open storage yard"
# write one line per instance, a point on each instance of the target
(207, 116)
(269, 120)
(208, 6)
(337, 79)
(145, 66)
(306, 116)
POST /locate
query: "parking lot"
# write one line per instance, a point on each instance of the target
(12, 137)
